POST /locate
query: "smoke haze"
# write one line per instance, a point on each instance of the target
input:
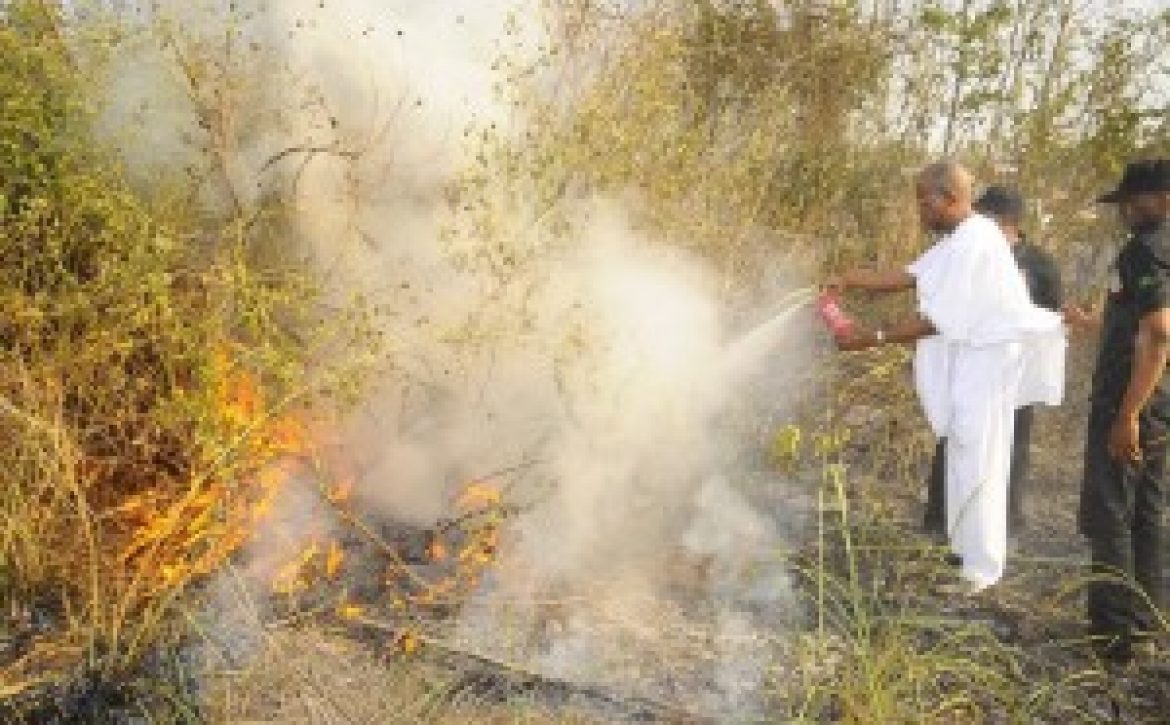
(605, 366)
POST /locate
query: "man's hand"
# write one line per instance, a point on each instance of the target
(1078, 318)
(858, 340)
(1151, 352)
(1124, 445)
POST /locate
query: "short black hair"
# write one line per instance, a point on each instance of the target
(1146, 176)
(1001, 202)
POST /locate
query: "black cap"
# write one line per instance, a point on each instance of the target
(1148, 176)
(1001, 202)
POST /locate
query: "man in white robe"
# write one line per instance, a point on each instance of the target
(983, 350)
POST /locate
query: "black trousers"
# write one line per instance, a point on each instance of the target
(1122, 515)
(935, 517)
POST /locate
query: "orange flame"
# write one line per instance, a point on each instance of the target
(294, 576)
(437, 550)
(475, 543)
(341, 491)
(172, 541)
(478, 495)
(333, 560)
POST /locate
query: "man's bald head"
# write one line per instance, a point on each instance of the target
(948, 178)
(945, 192)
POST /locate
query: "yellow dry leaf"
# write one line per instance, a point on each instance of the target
(408, 642)
(350, 611)
(309, 553)
(786, 443)
(172, 573)
(333, 560)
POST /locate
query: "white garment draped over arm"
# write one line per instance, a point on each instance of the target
(971, 290)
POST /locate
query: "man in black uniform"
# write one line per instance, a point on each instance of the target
(1006, 207)
(1123, 493)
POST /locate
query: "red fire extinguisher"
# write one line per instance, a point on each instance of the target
(834, 317)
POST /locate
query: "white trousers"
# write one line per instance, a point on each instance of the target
(984, 385)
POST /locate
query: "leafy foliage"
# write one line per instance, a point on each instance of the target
(154, 362)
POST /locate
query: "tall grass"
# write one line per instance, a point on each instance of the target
(154, 362)
(153, 365)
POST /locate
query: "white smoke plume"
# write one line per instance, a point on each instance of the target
(610, 370)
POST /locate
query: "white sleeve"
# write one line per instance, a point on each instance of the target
(972, 290)
(947, 293)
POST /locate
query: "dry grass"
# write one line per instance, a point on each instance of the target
(148, 382)
(151, 370)
(316, 677)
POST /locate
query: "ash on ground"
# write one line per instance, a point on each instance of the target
(704, 626)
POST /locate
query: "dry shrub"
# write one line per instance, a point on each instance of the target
(151, 372)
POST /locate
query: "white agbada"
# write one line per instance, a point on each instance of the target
(995, 351)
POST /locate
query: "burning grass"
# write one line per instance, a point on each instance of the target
(360, 565)
(152, 386)
(102, 540)
(154, 391)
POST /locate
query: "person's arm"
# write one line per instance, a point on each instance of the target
(1151, 351)
(905, 332)
(893, 280)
